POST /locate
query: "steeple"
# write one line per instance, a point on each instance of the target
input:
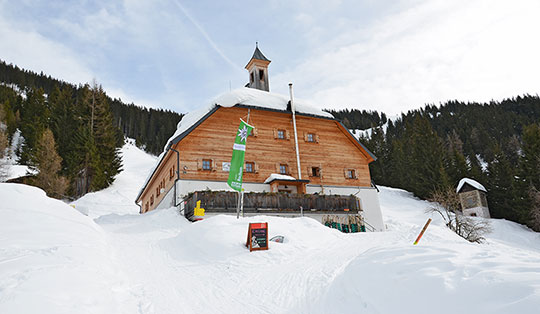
(258, 70)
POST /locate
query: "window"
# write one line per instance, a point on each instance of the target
(251, 77)
(207, 164)
(315, 172)
(311, 137)
(250, 167)
(350, 174)
(281, 134)
(283, 169)
(470, 200)
(261, 75)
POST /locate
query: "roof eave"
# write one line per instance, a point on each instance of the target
(371, 157)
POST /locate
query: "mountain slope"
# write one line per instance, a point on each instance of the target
(160, 263)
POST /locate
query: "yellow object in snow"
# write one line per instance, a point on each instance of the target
(198, 211)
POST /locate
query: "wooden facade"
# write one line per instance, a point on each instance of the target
(329, 154)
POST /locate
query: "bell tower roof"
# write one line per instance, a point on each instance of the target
(257, 55)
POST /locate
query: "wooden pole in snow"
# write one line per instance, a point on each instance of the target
(422, 232)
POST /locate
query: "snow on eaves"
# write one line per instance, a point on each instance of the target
(472, 183)
(277, 176)
(241, 96)
(250, 97)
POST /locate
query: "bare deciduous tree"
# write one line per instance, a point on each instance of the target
(534, 196)
(47, 163)
(3, 146)
(446, 203)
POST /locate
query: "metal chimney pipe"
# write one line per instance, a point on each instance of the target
(295, 133)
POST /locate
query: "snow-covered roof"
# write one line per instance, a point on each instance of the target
(472, 183)
(277, 176)
(250, 97)
(259, 98)
(241, 96)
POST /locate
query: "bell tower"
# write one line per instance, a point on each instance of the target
(258, 70)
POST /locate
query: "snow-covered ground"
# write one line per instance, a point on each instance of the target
(54, 259)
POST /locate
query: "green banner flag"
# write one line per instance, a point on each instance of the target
(237, 161)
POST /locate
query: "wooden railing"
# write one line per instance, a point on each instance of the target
(262, 203)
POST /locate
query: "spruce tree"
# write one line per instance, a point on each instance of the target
(34, 119)
(530, 176)
(107, 139)
(503, 192)
(426, 159)
(530, 156)
(378, 146)
(63, 123)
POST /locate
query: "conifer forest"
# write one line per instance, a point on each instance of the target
(79, 129)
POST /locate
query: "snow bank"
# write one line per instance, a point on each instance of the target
(56, 260)
(472, 183)
(120, 197)
(53, 259)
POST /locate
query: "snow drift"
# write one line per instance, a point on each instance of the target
(54, 259)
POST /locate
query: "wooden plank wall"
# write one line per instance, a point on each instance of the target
(334, 152)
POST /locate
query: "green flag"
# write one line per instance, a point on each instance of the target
(237, 160)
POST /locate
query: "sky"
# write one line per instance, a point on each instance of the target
(390, 56)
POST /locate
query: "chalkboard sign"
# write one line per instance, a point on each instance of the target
(257, 238)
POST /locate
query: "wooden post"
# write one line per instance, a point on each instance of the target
(242, 202)
(422, 232)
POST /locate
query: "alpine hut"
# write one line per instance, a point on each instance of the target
(312, 154)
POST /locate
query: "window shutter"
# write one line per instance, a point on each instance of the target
(305, 137)
(213, 165)
(255, 132)
(275, 133)
(309, 172)
(317, 138)
(288, 134)
(345, 173)
(256, 167)
(199, 164)
(277, 167)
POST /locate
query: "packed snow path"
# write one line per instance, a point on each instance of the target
(54, 259)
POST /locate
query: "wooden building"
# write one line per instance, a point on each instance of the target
(472, 196)
(197, 157)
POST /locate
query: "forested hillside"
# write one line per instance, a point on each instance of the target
(71, 134)
(497, 144)
(359, 119)
(150, 127)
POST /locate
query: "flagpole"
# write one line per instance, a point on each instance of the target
(295, 133)
(241, 193)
